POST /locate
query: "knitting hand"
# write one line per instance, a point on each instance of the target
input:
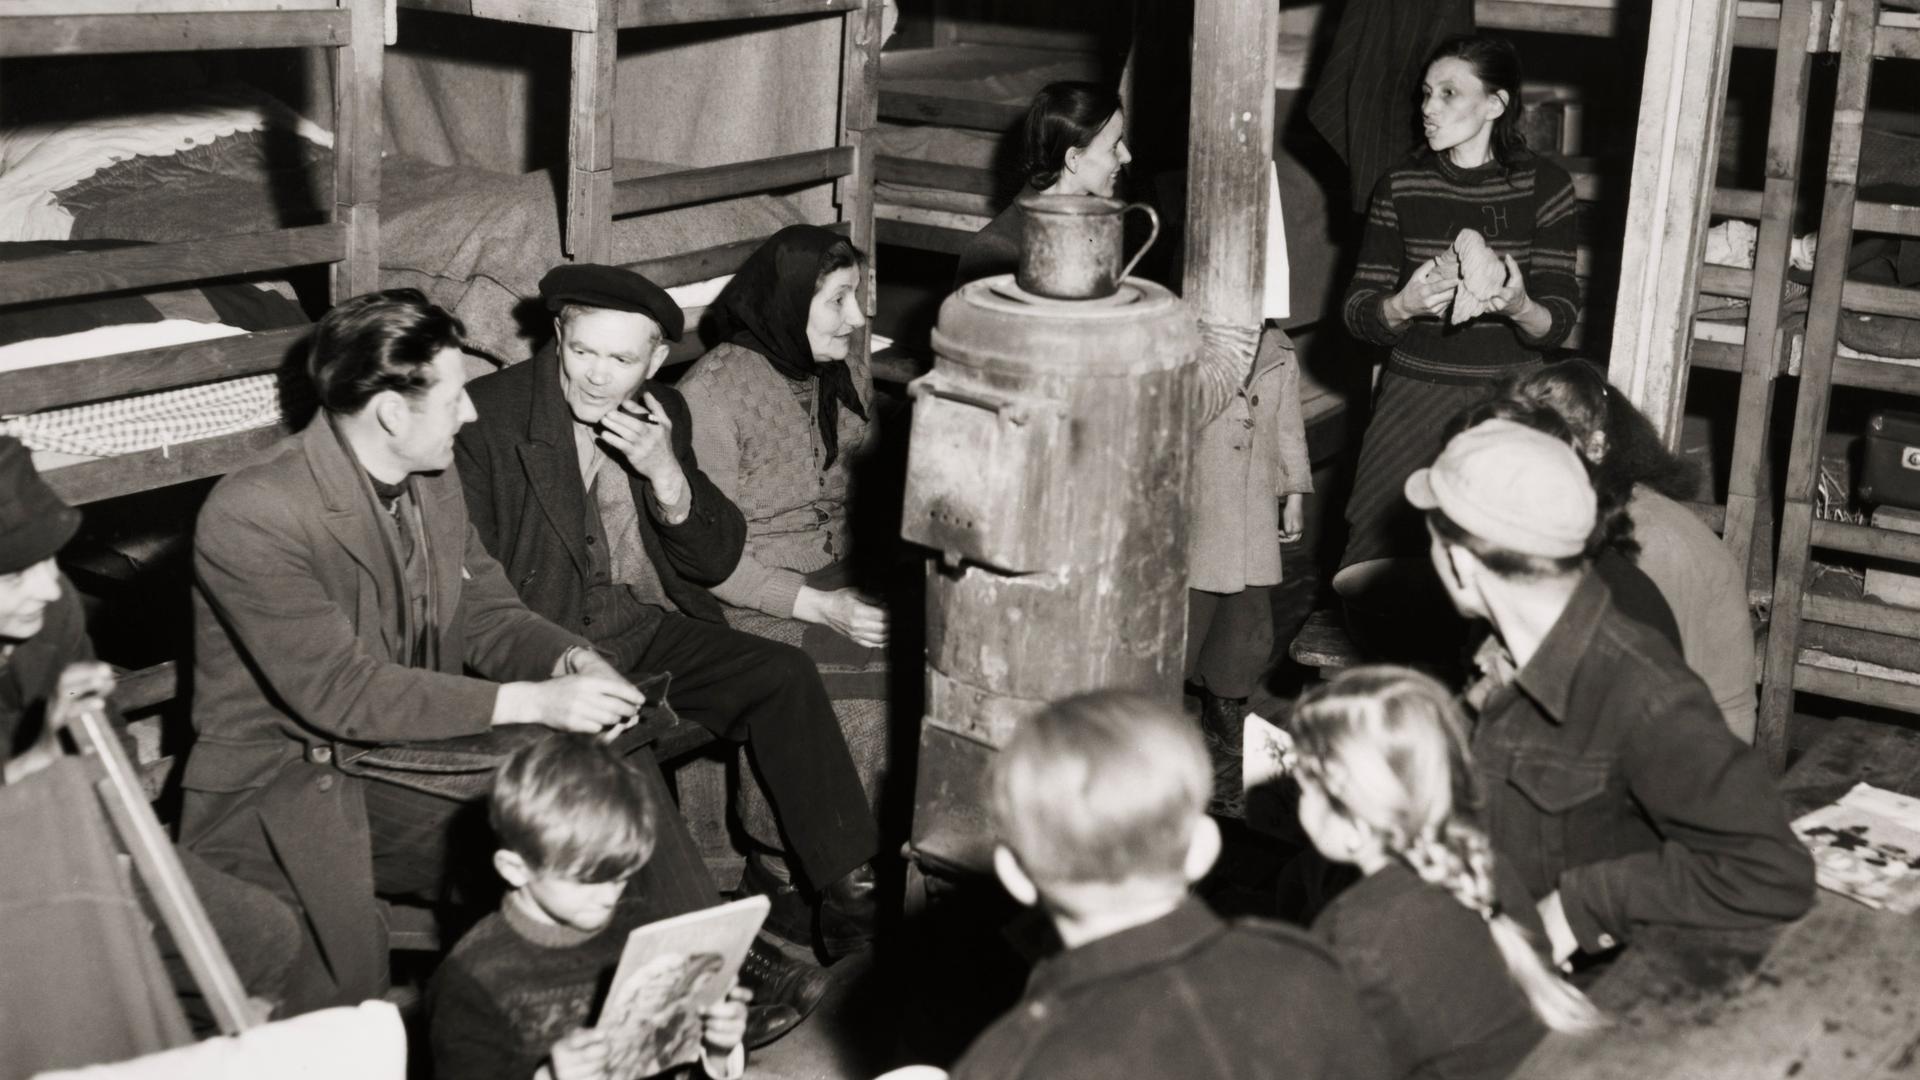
(643, 435)
(1428, 292)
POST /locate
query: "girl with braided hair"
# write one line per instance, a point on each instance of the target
(1438, 936)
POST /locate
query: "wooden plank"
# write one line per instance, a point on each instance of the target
(957, 220)
(693, 266)
(1588, 20)
(989, 32)
(1867, 216)
(1816, 378)
(937, 174)
(592, 58)
(1876, 375)
(640, 195)
(147, 687)
(70, 35)
(555, 14)
(1866, 540)
(1862, 615)
(1231, 123)
(633, 13)
(1734, 202)
(1855, 686)
(101, 377)
(901, 197)
(1749, 479)
(1865, 298)
(359, 140)
(950, 112)
(862, 34)
(91, 481)
(1674, 155)
(920, 237)
(159, 7)
(51, 277)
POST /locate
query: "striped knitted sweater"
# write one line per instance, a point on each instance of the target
(1527, 212)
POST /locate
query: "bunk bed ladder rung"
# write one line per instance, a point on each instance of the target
(1785, 670)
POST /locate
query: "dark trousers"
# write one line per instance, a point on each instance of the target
(768, 695)
(1229, 639)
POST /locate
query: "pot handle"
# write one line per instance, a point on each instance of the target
(1153, 234)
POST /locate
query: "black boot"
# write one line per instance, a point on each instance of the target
(1224, 722)
(848, 910)
(785, 990)
(791, 917)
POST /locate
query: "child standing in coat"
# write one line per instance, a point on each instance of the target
(1438, 937)
(1250, 479)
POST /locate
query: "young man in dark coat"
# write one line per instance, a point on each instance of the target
(341, 599)
(581, 478)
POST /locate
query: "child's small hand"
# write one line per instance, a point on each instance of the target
(723, 1024)
(1293, 517)
(581, 1054)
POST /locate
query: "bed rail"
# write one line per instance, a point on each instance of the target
(638, 195)
(52, 277)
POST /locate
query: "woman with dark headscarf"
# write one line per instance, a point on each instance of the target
(781, 414)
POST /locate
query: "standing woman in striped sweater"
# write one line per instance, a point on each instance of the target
(1475, 172)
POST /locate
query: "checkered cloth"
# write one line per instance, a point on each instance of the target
(151, 421)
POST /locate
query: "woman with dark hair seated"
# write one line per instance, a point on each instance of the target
(1073, 143)
(1642, 484)
(782, 419)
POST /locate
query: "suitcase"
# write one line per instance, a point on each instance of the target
(1891, 472)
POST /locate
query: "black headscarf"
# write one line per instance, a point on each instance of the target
(764, 308)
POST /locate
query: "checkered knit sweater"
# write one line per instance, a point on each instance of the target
(756, 438)
(1527, 211)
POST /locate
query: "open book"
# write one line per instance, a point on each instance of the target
(669, 971)
(1867, 847)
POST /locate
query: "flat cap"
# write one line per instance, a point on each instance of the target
(612, 287)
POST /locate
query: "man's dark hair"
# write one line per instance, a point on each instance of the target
(377, 342)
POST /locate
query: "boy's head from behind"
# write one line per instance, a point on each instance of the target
(573, 824)
(1100, 801)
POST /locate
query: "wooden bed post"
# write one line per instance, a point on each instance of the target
(859, 113)
(590, 136)
(359, 136)
(1689, 44)
(1229, 151)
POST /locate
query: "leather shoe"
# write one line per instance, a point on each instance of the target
(791, 917)
(766, 1023)
(848, 910)
(777, 979)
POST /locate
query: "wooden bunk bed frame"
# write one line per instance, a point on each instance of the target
(353, 32)
(595, 195)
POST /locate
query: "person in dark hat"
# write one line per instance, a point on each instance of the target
(48, 676)
(581, 479)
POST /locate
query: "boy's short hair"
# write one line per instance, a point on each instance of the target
(1101, 787)
(568, 805)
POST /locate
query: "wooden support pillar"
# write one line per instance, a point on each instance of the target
(1230, 146)
(359, 134)
(1749, 485)
(859, 113)
(1689, 45)
(590, 137)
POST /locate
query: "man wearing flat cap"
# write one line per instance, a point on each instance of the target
(1611, 783)
(581, 479)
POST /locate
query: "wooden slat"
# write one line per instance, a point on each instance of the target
(642, 194)
(98, 378)
(158, 7)
(91, 481)
(592, 60)
(959, 220)
(1865, 298)
(1735, 202)
(1816, 377)
(1856, 687)
(862, 33)
(920, 237)
(1862, 615)
(679, 12)
(1876, 375)
(1230, 138)
(1866, 540)
(950, 112)
(1887, 218)
(83, 273)
(557, 14)
(936, 174)
(147, 687)
(900, 197)
(69, 35)
(1588, 20)
(359, 137)
(706, 263)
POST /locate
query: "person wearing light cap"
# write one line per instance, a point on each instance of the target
(1612, 785)
(581, 479)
